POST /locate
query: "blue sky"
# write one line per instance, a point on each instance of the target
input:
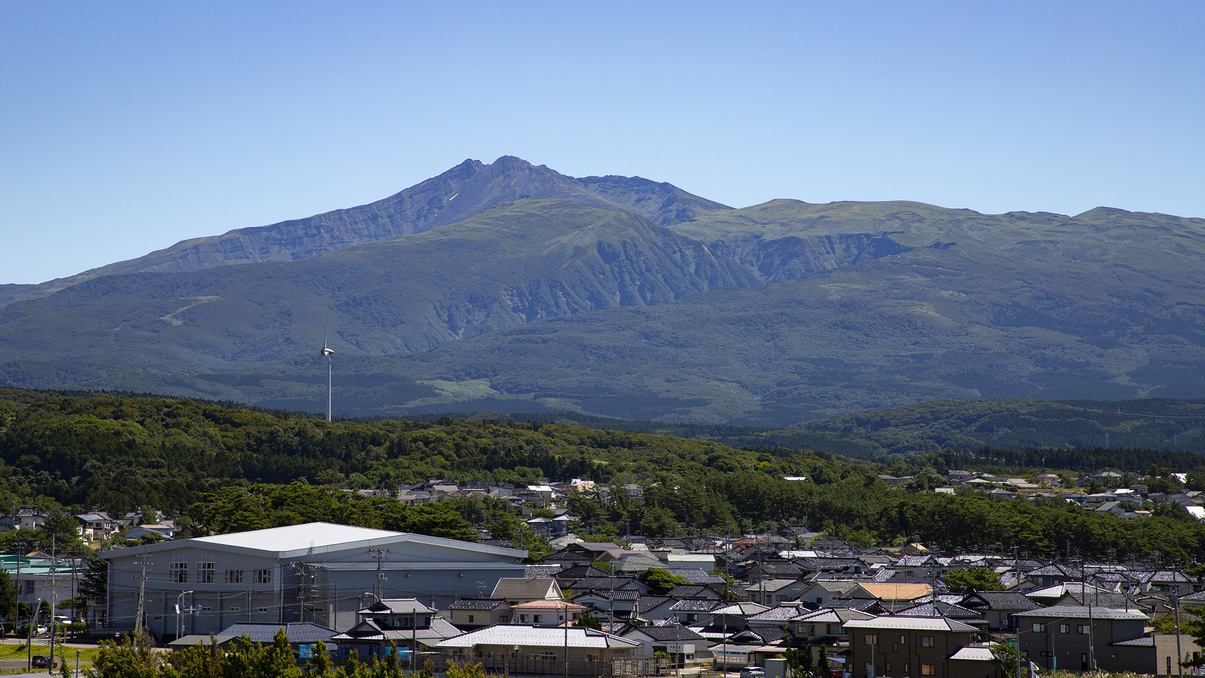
(128, 126)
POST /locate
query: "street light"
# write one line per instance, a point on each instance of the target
(180, 613)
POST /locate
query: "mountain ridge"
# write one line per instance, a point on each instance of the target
(461, 192)
(768, 315)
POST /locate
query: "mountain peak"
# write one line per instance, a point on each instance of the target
(507, 161)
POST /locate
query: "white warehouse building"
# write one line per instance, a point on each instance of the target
(316, 572)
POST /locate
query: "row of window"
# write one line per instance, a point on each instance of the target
(1082, 629)
(925, 669)
(177, 573)
(925, 641)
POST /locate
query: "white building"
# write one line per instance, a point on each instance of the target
(318, 572)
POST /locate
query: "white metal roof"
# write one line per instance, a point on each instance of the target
(539, 636)
(297, 537)
(295, 541)
(974, 654)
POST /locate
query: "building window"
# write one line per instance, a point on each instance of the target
(206, 573)
(1039, 628)
(1064, 628)
(234, 576)
(928, 669)
(887, 667)
(903, 639)
(1083, 629)
(536, 619)
(470, 619)
(178, 572)
(895, 647)
(926, 641)
(872, 639)
(263, 576)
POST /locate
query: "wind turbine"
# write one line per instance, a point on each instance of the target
(326, 353)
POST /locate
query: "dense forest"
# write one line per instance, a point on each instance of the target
(223, 468)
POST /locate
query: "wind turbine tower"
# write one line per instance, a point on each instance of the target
(326, 353)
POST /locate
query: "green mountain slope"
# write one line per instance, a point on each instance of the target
(464, 191)
(1025, 316)
(517, 263)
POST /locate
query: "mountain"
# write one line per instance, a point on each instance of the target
(631, 299)
(516, 263)
(466, 190)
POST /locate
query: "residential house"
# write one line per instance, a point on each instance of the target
(516, 649)
(682, 645)
(999, 608)
(516, 590)
(824, 627)
(1081, 639)
(546, 612)
(473, 613)
(776, 591)
(401, 623)
(908, 647)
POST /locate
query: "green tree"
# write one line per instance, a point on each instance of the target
(660, 581)
(973, 578)
(1006, 652)
(129, 657)
(8, 602)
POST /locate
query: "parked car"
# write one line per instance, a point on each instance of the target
(43, 661)
(753, 672)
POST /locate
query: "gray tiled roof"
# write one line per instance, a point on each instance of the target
(1081, 612)
(298, 632)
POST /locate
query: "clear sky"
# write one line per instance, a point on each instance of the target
(128, 126)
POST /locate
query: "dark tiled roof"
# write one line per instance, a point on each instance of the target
(670, 633)
(1004, 600)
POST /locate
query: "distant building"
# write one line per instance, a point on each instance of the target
(317, 572)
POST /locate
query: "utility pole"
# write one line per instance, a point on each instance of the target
(142, 593)
(380, 555)
(53, 563)
(300, 569)
(1179, 652)
(33, 619)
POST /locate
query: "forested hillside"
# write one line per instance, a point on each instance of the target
(227, 468)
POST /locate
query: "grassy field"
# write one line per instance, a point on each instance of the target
(14, 654)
